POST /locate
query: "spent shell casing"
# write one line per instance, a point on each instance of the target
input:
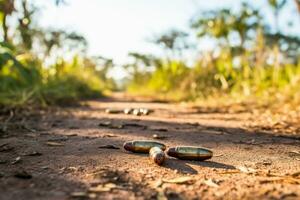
(157, 155)
(112, 111)
(128, 111)
(142, 146)
(136, 112)
(190, 153)
(144, 111)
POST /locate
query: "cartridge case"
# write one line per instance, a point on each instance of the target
(140, 146)
(157, 155)
(136, 112)
(128, 111)
(113, 111)
(144, 111)
(190, 153)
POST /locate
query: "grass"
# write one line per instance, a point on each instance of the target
(25, 80)
(249, 80)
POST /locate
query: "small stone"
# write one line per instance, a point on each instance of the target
(17, 160)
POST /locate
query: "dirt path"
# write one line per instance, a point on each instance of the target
(58, 155)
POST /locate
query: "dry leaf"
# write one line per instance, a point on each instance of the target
(157, 183)
(219, 155)
(54, 144)
(33, 153)
(281, 180)
(72, 135)
(179, 180)
(109, 135)
(294, 153)
(92, 196)
(103, 188)
(296, 174)
(229, 172)
(210, 183)
(78, 194)
(110, 185)
(29, 129)
(107, 123)
(212, 132)
(246, 170)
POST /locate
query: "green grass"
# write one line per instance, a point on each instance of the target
(24, 80)
(220, 78)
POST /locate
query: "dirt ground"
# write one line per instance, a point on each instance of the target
(62, 153)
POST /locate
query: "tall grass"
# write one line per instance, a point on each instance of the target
(261, 74)
(25, 80)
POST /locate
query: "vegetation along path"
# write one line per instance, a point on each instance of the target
(76, 153)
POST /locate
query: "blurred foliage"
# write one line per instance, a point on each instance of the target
(249, 62)
(25, 78)
(252, 59)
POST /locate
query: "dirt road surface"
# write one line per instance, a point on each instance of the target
(63, 154)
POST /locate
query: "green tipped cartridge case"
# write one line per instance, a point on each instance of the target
(142, 146)
(157, 155)
(190, 153)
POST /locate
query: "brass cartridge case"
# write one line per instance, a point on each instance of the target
(157, 155)
(142, 146)
(113, 111)
(190, 153)
(128, 111)
(136, 112)
(145, 111)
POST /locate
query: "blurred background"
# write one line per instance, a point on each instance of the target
(61, 51)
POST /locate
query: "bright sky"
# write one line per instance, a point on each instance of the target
(114, 28)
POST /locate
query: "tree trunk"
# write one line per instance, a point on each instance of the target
(5, 28)
(298, 5)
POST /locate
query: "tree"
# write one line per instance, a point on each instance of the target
(59, 2)
(277, 5)
(297, 2)
(173, 41)
(221, 24)
(106, 64)
(24, 27)
(7, 7)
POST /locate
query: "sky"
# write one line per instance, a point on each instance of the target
(114, 28)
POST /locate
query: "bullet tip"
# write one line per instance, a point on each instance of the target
(128, 146)
(171, 152)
